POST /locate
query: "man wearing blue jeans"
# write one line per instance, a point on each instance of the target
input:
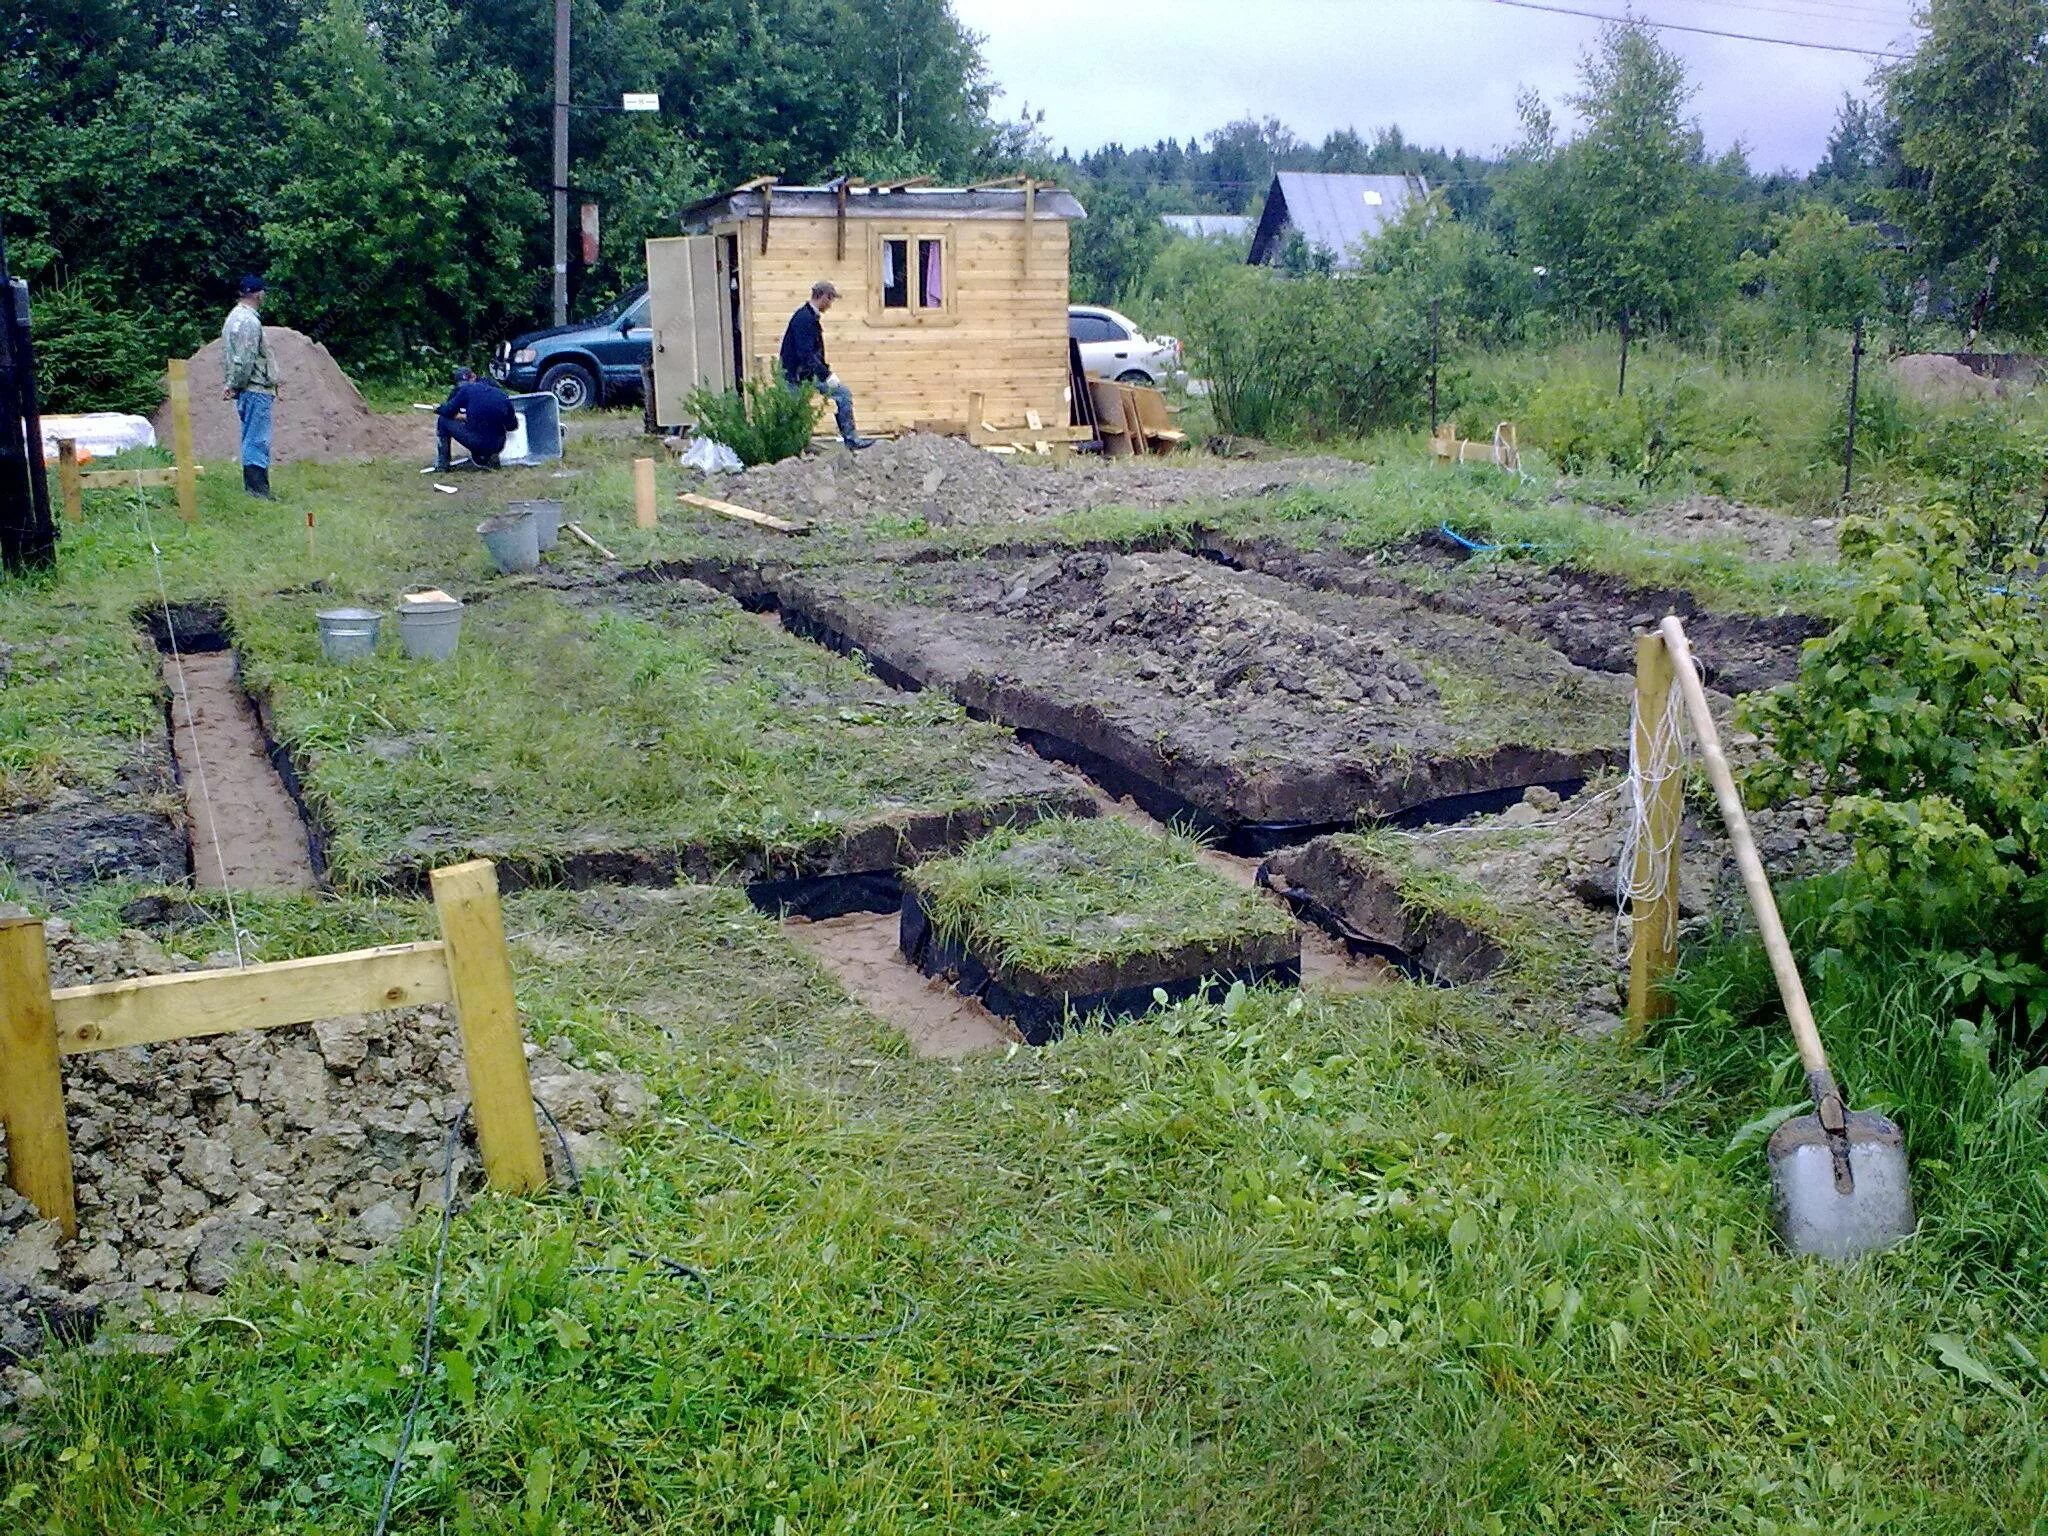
(803, 361)
(249, 378)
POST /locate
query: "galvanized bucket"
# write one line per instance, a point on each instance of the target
(349, 634)
(429, 627)
(547, 519)
(513, 539)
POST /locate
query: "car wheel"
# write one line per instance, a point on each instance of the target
(571, 385)
(1134, 376)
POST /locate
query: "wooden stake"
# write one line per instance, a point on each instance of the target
(480, 974)
(1653, 942)
(181, 440)
(1030, 222)
(67, 480)
(31, 1085)
(643, 493)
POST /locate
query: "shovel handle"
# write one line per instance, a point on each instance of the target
(1754, 881)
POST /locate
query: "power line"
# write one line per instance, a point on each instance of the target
(1857, 18)
(1677, 26)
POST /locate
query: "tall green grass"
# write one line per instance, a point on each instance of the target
(1906, 1036)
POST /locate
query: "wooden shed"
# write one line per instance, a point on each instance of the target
(943, 293)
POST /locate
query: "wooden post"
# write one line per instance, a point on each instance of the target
(977, 413)
(181, 440)
(31, 1086)
(1855, 380)
(1030, 222)
(67, 480)
(480, 975)
(1653, 941)
(643, 493)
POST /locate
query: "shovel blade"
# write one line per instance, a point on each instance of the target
(1813, 1214)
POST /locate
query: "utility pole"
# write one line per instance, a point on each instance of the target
(561, 187)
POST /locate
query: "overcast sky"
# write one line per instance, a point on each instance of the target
(1447, 71)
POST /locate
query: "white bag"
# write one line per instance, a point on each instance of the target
(711, 456)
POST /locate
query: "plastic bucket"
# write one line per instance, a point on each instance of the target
(428, 630)
(513, 540)
(547, 519)
(349, 634)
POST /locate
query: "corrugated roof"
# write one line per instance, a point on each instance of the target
(895, 203)
(1333, 212)
(1208, 226)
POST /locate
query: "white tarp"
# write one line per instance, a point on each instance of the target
(99, 434)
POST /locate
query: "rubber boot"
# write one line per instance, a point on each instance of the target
(256, 481)
(441, 459)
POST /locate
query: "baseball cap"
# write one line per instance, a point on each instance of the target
(251, 283)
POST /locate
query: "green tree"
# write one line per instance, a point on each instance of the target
(1114, 247)
(1630, 218)
(1821, 273)
(1972, 109)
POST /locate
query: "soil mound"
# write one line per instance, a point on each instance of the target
(321, 417)
(946, 481)
(1939, 378)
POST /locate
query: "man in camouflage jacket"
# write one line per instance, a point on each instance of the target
(249, 378)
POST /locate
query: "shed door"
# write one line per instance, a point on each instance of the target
(687, 304)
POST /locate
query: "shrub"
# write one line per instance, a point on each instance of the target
(1652, 433)
(93, 355)
(760, 421)
(1315, 356)
(1920, 717)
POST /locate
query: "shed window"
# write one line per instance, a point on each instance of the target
(912, 279)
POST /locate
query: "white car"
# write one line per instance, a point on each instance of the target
(1114, 348)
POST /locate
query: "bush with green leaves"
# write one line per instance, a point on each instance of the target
(1308, 357)
(1920, 718)
(760, 421)
(1654, 433)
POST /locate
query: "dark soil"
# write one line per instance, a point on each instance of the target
(1248, 701)
(129, 832)
(1593, 619)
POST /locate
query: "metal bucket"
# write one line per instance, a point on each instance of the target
(428, 628)
(349, 634)
(547, 519)
(513, 540)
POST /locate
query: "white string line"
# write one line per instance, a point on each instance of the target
(147, 528)
(1666, 754)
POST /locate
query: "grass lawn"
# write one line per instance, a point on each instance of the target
(1405, 1260)
(1071, 895)
(1301, 1263)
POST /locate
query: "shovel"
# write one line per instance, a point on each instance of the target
(1838, 1176)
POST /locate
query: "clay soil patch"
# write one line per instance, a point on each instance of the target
(246, 832)
(1258, 709)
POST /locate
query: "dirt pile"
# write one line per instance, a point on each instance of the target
(1939, 379)
(320, 416)
(1205, 635)
(323, 1141)
(946, 481)
(1773, 537)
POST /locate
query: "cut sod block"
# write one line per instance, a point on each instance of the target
(1067, 918)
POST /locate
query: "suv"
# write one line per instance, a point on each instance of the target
(1112, 347)
(594, 362)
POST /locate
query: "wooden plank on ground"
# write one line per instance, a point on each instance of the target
(193, 1003)
(743, 514)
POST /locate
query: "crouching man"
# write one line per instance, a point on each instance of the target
(476, 414)
(803, 361)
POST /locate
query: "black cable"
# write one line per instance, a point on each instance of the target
(419, 1386)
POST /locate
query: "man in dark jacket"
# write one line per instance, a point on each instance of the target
(478, 415)
(803, 361)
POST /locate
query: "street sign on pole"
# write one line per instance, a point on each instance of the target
(641, 101)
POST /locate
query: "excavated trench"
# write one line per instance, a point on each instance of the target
(247, 825)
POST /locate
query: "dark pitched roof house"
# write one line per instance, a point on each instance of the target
(1334, 213)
